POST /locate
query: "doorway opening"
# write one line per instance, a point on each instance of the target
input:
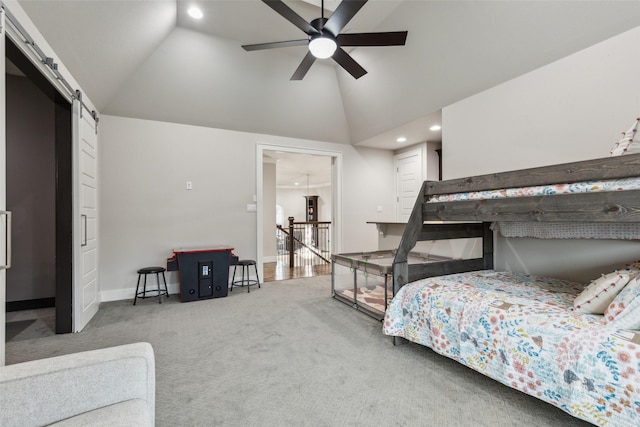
(299, 213)
(39, 195)
(302, 211)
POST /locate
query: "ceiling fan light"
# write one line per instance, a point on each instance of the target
(322, 47)
(195, 13)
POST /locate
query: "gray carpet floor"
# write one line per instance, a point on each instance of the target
(289, 355)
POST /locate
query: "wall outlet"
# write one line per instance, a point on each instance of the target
(252, 207)
(189, 185)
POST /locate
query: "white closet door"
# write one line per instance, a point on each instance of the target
(3, 193)
(408, 181)
(86, 297)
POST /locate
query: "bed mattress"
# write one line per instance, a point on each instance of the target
(521, 331)
(542, 190)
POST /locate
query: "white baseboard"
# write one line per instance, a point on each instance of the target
(269, 258)
(129, 293)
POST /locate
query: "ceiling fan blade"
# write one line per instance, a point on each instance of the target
(348, 63)
(274, 45)
(287, 13)
(395, 38)
(304, 66)
(342, 15)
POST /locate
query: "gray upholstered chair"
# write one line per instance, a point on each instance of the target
(107, 387)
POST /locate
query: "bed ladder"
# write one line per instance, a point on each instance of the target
(416, 230)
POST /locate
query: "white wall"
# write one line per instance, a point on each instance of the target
(146, 210)
(269, 241)
(573, 109)
(292, 201)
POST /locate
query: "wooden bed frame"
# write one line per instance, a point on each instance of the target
(611, 207)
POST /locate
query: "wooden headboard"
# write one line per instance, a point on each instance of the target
(614, 206)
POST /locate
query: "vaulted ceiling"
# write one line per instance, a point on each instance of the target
(148, 59)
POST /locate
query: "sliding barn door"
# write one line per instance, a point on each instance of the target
(3, 193)
(86, 298)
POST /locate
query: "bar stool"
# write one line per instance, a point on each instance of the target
(245, 264)
(159, 291)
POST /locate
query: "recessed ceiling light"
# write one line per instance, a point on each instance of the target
(296, 183)
(435, 128)
(194, 12)
(401, 139)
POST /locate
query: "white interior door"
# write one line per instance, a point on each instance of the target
(85, 288)
(409, 177)
(3, 194)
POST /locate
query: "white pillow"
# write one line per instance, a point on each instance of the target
(601, 292)
(630, 142)
(624, 311)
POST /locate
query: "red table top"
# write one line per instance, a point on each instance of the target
(215, 248)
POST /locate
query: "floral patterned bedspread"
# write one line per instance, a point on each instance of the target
(521, 331)
(541, 190)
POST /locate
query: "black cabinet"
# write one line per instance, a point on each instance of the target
(204, 273)
(312, 208)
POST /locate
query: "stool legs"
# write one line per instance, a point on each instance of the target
(233, 278)
(160, 290)
(144, 288)
(166, 290)
(137, 287)
(248, 284)
(255, 266)
(243, 280)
